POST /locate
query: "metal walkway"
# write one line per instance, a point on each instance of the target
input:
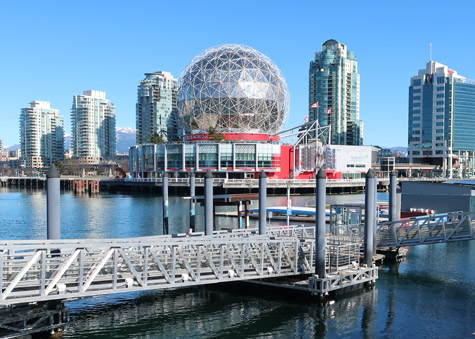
(67, 269)
(47, 270)
(438, 228)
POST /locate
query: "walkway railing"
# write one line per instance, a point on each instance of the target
(245, 181)
(438, 228)
(47, 270)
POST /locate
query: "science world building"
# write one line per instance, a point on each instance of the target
(232, 103)
(232, 100)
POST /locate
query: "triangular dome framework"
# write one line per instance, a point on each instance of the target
(233, 88)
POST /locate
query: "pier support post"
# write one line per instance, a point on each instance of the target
(209, 203)
(369, 218)
(376, 211)
(320, 224)
(262, 203)
(53, 211)
(165, 202)
(192, 202)
(392, 197)
(398, 203)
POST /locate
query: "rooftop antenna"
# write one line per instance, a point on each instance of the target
(430, 48)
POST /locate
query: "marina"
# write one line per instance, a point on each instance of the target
(47, 272)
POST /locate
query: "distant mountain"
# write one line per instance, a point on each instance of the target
(14, 147)
(400, 149)
(67, 142)
(125, 137)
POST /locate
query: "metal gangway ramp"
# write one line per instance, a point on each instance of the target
(44, 270)
(447, 227)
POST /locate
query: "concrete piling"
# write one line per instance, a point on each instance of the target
(375, 216)
(53, 210)
(320, 224)
(393, 197)
(209, 203)
(262, 203)
(192, 202)
(370, 218)
(165, 202)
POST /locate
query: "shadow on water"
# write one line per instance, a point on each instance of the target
(220, 312)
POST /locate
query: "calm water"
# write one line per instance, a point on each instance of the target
(430, 294)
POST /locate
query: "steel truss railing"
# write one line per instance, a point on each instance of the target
(50, 270)
(272, 182)
(427, 230)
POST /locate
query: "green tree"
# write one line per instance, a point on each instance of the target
(214, 135)
(59, 165)
(156, 139)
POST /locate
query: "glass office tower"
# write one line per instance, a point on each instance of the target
(441, 128)
(334, 93)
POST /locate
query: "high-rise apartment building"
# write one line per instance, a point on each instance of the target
(442, 120)
(4, 153)
(156, 110)
(93, 127)
(334, 93)
(41, 135)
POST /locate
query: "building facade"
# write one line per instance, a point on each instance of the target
(41, 135)
(442, 120)
(334, 93)
(4, 153)
(156, 109)
(240, 159)
(93, 124)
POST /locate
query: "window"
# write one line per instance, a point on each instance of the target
(439, 130)
(416, 97)
(439, 144)
(416, 104)
(416, 82)
(439, 138)
(439, 124)
(416, 111)
(245, 156)
(440, 80)
(208, 156)
(439, 110)
(226, 156)
(440, 102)
(440, 88)
(416, 152)
(439, 116)
(416, 90)
(439, 152)
(440, 96)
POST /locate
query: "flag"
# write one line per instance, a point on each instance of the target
(315, 105)
(450, 70)
(329, 110)
(306, 118)
(430, 45)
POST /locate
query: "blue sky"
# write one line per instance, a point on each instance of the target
(51, 50)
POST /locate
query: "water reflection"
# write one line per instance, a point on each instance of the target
(430, 294)
(212, 312)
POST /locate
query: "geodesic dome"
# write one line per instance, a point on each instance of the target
(232, 88)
